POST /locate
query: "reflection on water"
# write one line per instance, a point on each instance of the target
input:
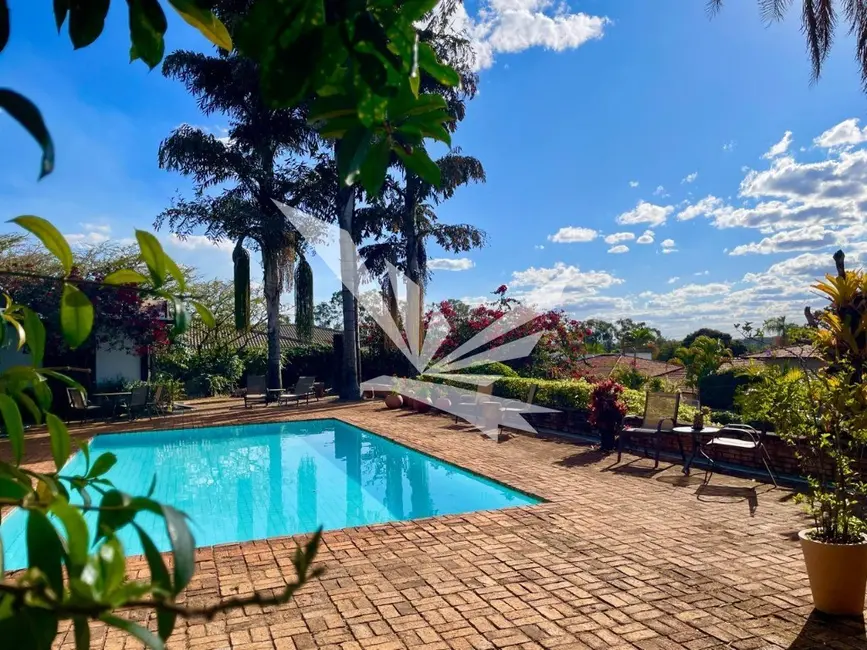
(252, 482)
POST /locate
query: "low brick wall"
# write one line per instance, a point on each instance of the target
(574, 421)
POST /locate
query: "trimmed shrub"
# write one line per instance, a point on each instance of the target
(725, 417)
(493, 368)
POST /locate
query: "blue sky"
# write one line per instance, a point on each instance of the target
(578, 102)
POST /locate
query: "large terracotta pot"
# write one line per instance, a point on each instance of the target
(422, 405)
(393, 401)
(838, 575)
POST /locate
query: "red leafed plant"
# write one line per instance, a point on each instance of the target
(607, 409)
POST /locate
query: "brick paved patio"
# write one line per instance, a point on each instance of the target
(618, 558)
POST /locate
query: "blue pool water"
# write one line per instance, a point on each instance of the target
(240, 483)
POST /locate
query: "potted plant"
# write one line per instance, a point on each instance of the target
(606, 411)
(823, 413)
(393, 400)
(421, 401)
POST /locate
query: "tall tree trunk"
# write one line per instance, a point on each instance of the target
(350, 389)
(272, 306)
(414, 299)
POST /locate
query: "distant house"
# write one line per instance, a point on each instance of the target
(201, 337)
(604, 366)
(792, 356)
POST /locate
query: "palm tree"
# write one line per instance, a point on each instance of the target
(819, 21)
(258, 160)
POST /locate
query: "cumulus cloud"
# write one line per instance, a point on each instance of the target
(660, 191)
(633, 183)
(644, 212)
(703, 208)
(800, 239)
(92, 234)
(446, 264)
(617, 237)
(509, 26)
(573, 234)
(617, 250)
(668, 246)
(200, 242)
(690, 178)
(674, 279)
(844, 134)
(780, 148)
(646, 238)
(562, 285)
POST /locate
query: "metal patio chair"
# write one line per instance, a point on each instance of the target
(303, 389)
(78, 403)
(138, 401)
(257, 390)
(736, 436)
(660, 417)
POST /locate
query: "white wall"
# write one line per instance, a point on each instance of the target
(118, 362)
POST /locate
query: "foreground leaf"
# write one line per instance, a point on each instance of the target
(183, 547)
(60, 442)
(27, 115)
(34, 330)
(142, 634)
(205, 21)
(44, 549)
(50, 236)
(76, 315)
(14, 426)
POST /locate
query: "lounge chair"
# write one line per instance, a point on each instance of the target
(736, 436)
(303, 390)
(78, 403)
(660, 417)
(156, 404)
(513, 408)
(256, 391)
(469, 403)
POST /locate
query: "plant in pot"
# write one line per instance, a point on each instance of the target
(607, 410)
(422, 402)
(823, 413)
(393, 400)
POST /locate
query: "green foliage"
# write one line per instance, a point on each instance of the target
(737, 348)
(205, 372)
(722, 418)
(493, 368)
(702, 358)
(630, 376)
(68, 577)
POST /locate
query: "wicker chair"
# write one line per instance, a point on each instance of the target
(660, 417)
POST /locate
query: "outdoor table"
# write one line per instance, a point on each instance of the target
(696, 441)
(113, 399)
(273, 394)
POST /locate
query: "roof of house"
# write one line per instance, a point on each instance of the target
(601, 366)
(786, 352)
(198, 335)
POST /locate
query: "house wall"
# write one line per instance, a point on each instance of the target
(117, 363)
(809, 364)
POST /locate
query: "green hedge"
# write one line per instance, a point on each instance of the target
(555, 394)
(492, 368)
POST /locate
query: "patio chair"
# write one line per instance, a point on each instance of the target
(470, 403)
(660, 417)
(156, 404)
(78, 403)
(138, 401)
(303, 390)
(514, 407)
(736, 436)
(257, 391)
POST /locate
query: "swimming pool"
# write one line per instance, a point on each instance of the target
(241, 483)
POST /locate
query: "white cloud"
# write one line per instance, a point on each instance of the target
(690, 178)
(573, 234)
(509, 26)
(633, 183)
(200, 242)
(780, 148)
(668, 243)
(617, 250)
(705, 272)
(844, 134)
(801, 239)
(562, 285)
(644, 212)
(730, 145)
(617, 237)
(703, 208)
(539, 247)
(674, 279)
(660, 191)
(92, 234)
(646, 238)
(446, 264)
